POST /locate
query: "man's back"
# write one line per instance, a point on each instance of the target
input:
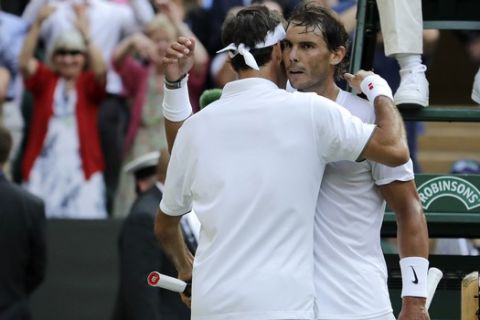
(252, 163)
(22, 249)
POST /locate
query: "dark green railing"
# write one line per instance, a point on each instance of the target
(448, 214)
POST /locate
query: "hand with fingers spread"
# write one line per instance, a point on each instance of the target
(179, 58)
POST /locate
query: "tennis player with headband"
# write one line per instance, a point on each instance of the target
(251, 165)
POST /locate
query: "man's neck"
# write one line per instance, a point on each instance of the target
(250, 73)
(330, 90)
(264, 73)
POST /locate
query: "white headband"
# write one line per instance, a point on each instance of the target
(271, 38)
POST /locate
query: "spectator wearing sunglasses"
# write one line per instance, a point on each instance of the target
(63, 162)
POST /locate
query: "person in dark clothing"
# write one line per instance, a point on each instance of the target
(140, 252)
(22, 243)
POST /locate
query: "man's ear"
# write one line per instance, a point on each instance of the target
(277, 51)
(337, 56)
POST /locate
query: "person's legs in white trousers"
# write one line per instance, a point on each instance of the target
(402, 28)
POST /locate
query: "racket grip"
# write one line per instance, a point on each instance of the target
(433, 278)
(156, 279)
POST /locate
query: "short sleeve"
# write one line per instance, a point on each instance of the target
(383, 174)
(177, 196)
(340, 135)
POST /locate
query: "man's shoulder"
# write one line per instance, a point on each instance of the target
(146, 204)
(357, 106)
(310, 99)
(305, 100)
(14, 192)
(353, 99)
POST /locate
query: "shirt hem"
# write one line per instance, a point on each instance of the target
(177, 212)
(383, 182)
(258, 316)
(356, 317)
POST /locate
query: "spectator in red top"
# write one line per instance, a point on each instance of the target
(63, 162)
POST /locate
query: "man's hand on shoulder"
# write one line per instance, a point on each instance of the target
(371, 84)
(354, 80)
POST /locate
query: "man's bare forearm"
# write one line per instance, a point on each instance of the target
(387, 144)
(412, 231)
(169, 234)
(391, 129)
(412, 238)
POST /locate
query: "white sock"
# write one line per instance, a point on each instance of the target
(408, 60)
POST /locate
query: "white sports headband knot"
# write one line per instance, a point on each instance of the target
(272, 37)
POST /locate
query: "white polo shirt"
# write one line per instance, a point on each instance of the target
(251, 165)
(351, 275)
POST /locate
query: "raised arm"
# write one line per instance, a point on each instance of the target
(96, 62)
(412, 239)
(32, 9)
(176, 106)
(4, 82)
(136, 43)
(388, 144)
(28, 64)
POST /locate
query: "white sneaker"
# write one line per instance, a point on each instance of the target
(476, 88)
(413, 87)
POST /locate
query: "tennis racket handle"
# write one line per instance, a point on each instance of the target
(156, 279)
(433, 278)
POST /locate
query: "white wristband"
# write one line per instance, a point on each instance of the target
(414, 276)
(374, 86)
(176, 103)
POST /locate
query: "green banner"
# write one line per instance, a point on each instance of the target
(449, 193)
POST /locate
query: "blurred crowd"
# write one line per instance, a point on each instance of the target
(81, 88)
(81, 91)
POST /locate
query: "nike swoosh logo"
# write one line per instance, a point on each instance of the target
(415, 275)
